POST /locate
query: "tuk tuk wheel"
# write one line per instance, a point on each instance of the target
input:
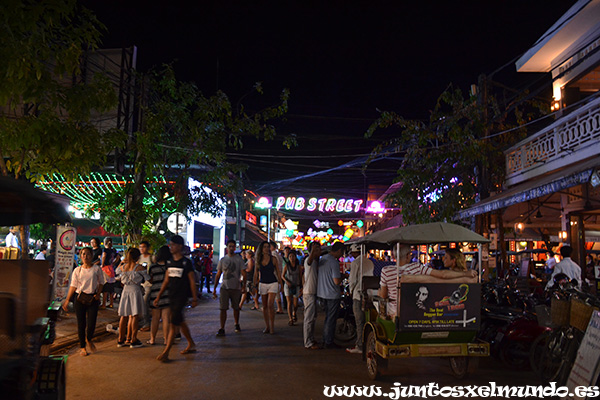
(376, 365)
(459, 366)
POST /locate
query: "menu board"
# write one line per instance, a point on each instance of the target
(440, 306)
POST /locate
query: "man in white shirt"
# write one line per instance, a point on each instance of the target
(12, 239)
(42, 254)
(567, 267)
(309, 294)
(355, 288)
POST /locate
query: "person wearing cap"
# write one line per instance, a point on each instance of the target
(179, 279)
(355, 287)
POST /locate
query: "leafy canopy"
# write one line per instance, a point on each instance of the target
(184, 134)
(444, 157)
(46, 104)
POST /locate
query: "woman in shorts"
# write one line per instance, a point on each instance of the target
(291, 276)
(266, 271)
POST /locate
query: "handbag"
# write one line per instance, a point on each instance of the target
(85, 298)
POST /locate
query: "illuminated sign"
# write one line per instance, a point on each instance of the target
(264, 203)
(316, 204)
(250, 217)
(263, 220)
(375, 207)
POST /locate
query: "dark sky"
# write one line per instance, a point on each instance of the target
(341, 60)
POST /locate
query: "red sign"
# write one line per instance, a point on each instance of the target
(250, 217)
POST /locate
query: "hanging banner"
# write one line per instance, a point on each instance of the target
(440, 306)
(64, 260)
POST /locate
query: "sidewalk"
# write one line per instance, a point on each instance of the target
(66, 327)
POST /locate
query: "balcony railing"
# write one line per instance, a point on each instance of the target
(572, 138)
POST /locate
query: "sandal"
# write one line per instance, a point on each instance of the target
(83, 352)
(266, 330)
(295, 318)
(188, 351)
(151, 343)
(163, 358)
(254, 308)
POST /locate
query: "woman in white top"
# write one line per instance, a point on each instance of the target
(87, 281)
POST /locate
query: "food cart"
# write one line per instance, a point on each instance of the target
(432, 319)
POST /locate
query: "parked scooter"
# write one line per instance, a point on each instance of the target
(345, 325)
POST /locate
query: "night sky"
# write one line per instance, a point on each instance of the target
(341, 60)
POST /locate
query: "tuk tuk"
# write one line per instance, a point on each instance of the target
(27, 315)
(431, 319)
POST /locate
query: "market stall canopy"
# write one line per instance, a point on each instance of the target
(22, 204)
(436, 232)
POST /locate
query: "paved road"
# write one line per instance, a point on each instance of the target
(248, 365)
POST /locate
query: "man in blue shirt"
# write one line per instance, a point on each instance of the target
(328, 289)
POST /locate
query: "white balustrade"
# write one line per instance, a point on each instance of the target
(566, 137)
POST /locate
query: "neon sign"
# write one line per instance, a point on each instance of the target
(375, 207)
(264, 203)
(318, 204)
(250, 217)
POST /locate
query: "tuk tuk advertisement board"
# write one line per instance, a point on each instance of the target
(64, 260)
(440, 306)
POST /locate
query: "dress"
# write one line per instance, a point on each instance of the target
(132, 299)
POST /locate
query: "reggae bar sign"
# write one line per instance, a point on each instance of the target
(311, 204)
(440, 306)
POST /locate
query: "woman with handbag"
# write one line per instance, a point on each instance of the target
(87, 281)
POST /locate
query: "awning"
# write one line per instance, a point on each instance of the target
(253, 235)
(566, 178)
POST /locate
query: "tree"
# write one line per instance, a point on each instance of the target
(46, 104)
(456, 155)
(183, 134)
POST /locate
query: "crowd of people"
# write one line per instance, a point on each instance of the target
(155, 288)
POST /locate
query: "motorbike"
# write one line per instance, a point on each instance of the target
(509, 323)
(345, 325)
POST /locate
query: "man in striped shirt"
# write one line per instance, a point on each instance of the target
(414, 272)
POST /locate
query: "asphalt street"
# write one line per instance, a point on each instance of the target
(249, 365)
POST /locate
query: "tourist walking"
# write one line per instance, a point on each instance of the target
(361, 266)
(250, 286)
(268, 277)
(233, 269)
(160, 311)
(86, 281)
(309, 294)
(179, 280)
(131, 274)
(328, 289)
(107, 263)
(291, 289)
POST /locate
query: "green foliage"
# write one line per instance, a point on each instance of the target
(185, 134)
(444, 157)
(42, 231)
(46, 122)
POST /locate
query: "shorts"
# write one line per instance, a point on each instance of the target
(108, 288)
(264, 288)
(227, 295)
(290, 291)
(177, 305)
